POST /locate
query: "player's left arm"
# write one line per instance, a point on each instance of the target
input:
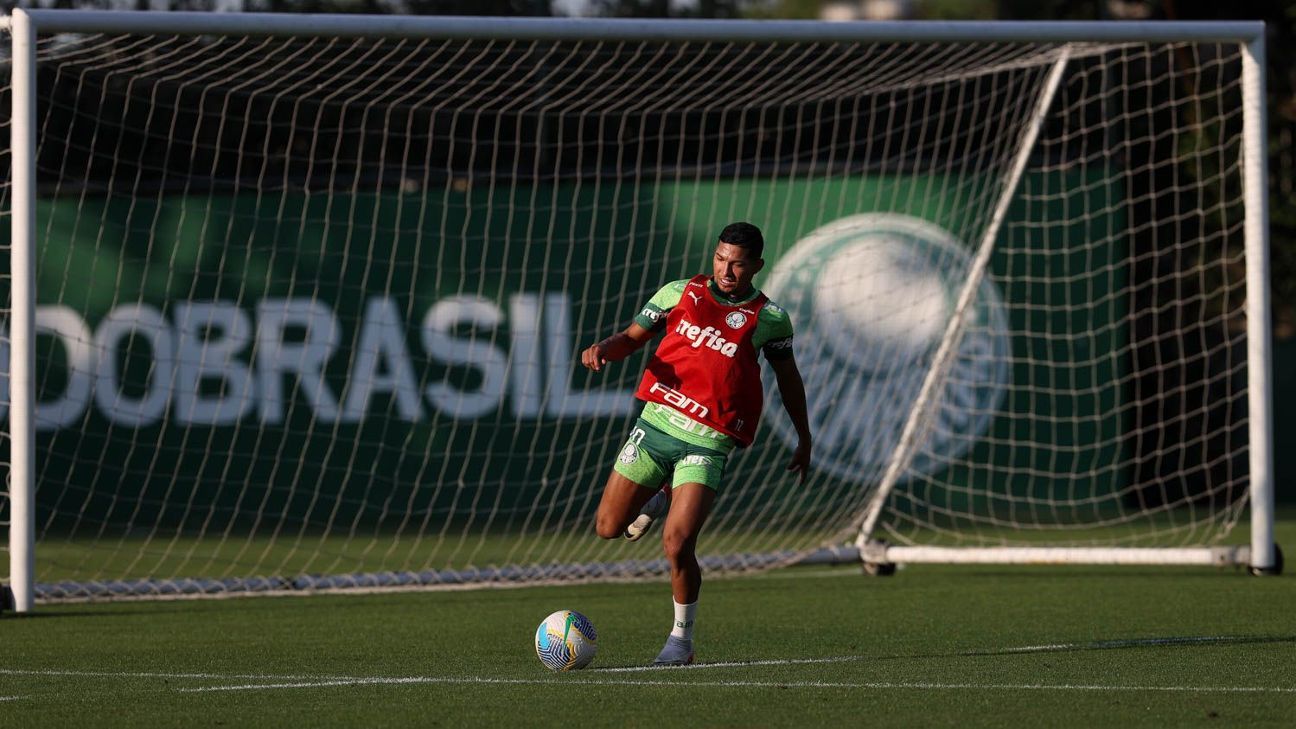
(792, 392)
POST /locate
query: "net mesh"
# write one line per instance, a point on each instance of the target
(310, 309)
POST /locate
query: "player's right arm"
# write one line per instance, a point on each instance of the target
(616, 347)
(650, 321)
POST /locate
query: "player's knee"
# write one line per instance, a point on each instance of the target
(678, 545)
(608, 527)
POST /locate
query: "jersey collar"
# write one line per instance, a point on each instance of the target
(724, 298)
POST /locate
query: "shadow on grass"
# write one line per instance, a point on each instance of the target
(1125, 643)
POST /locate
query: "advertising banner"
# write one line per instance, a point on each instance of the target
(329, 357)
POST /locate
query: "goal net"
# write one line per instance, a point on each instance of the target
(310, 295)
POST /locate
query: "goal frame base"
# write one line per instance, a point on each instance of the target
(875, 553)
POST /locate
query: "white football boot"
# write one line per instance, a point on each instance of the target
(676, 652)
(655, 509)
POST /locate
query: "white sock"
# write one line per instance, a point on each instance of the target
(684, 615)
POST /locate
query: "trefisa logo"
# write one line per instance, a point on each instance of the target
(870, 298)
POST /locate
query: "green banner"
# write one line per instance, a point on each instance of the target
(372, 358)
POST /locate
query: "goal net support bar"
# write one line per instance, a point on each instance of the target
(920, 413)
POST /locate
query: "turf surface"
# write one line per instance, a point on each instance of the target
(811, 646)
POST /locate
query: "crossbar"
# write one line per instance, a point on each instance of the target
(619, 29)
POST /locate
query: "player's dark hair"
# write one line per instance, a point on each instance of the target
(744, 235)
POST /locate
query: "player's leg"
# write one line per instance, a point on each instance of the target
(651, 513)
(622, 500)
(634, 479)
(690, 505)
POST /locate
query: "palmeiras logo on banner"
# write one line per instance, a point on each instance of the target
(870, 298)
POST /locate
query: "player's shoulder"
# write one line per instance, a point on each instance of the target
(773, 312)
(673, 289)
(775, 320)
(668, 295)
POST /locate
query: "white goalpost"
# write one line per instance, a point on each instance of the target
(295, 302)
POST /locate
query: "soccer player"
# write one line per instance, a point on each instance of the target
(702, 398)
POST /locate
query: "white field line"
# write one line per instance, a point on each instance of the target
(270, 683)
(731, 664)
(377, 681)
(153, 674)
(9, 698)
(753, 684)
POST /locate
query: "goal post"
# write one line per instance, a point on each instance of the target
(22, 317)
(1264, 557)
(296, 301)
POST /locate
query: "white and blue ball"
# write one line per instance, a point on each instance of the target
(566, 641)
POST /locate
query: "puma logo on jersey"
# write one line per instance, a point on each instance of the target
(708, 337)
(695, 297)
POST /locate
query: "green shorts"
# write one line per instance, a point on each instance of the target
(650, 455)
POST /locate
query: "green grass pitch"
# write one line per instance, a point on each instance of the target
(809, 646)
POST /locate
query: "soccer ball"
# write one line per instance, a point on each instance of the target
(566, 641)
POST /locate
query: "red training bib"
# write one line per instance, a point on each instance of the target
(706, 366)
